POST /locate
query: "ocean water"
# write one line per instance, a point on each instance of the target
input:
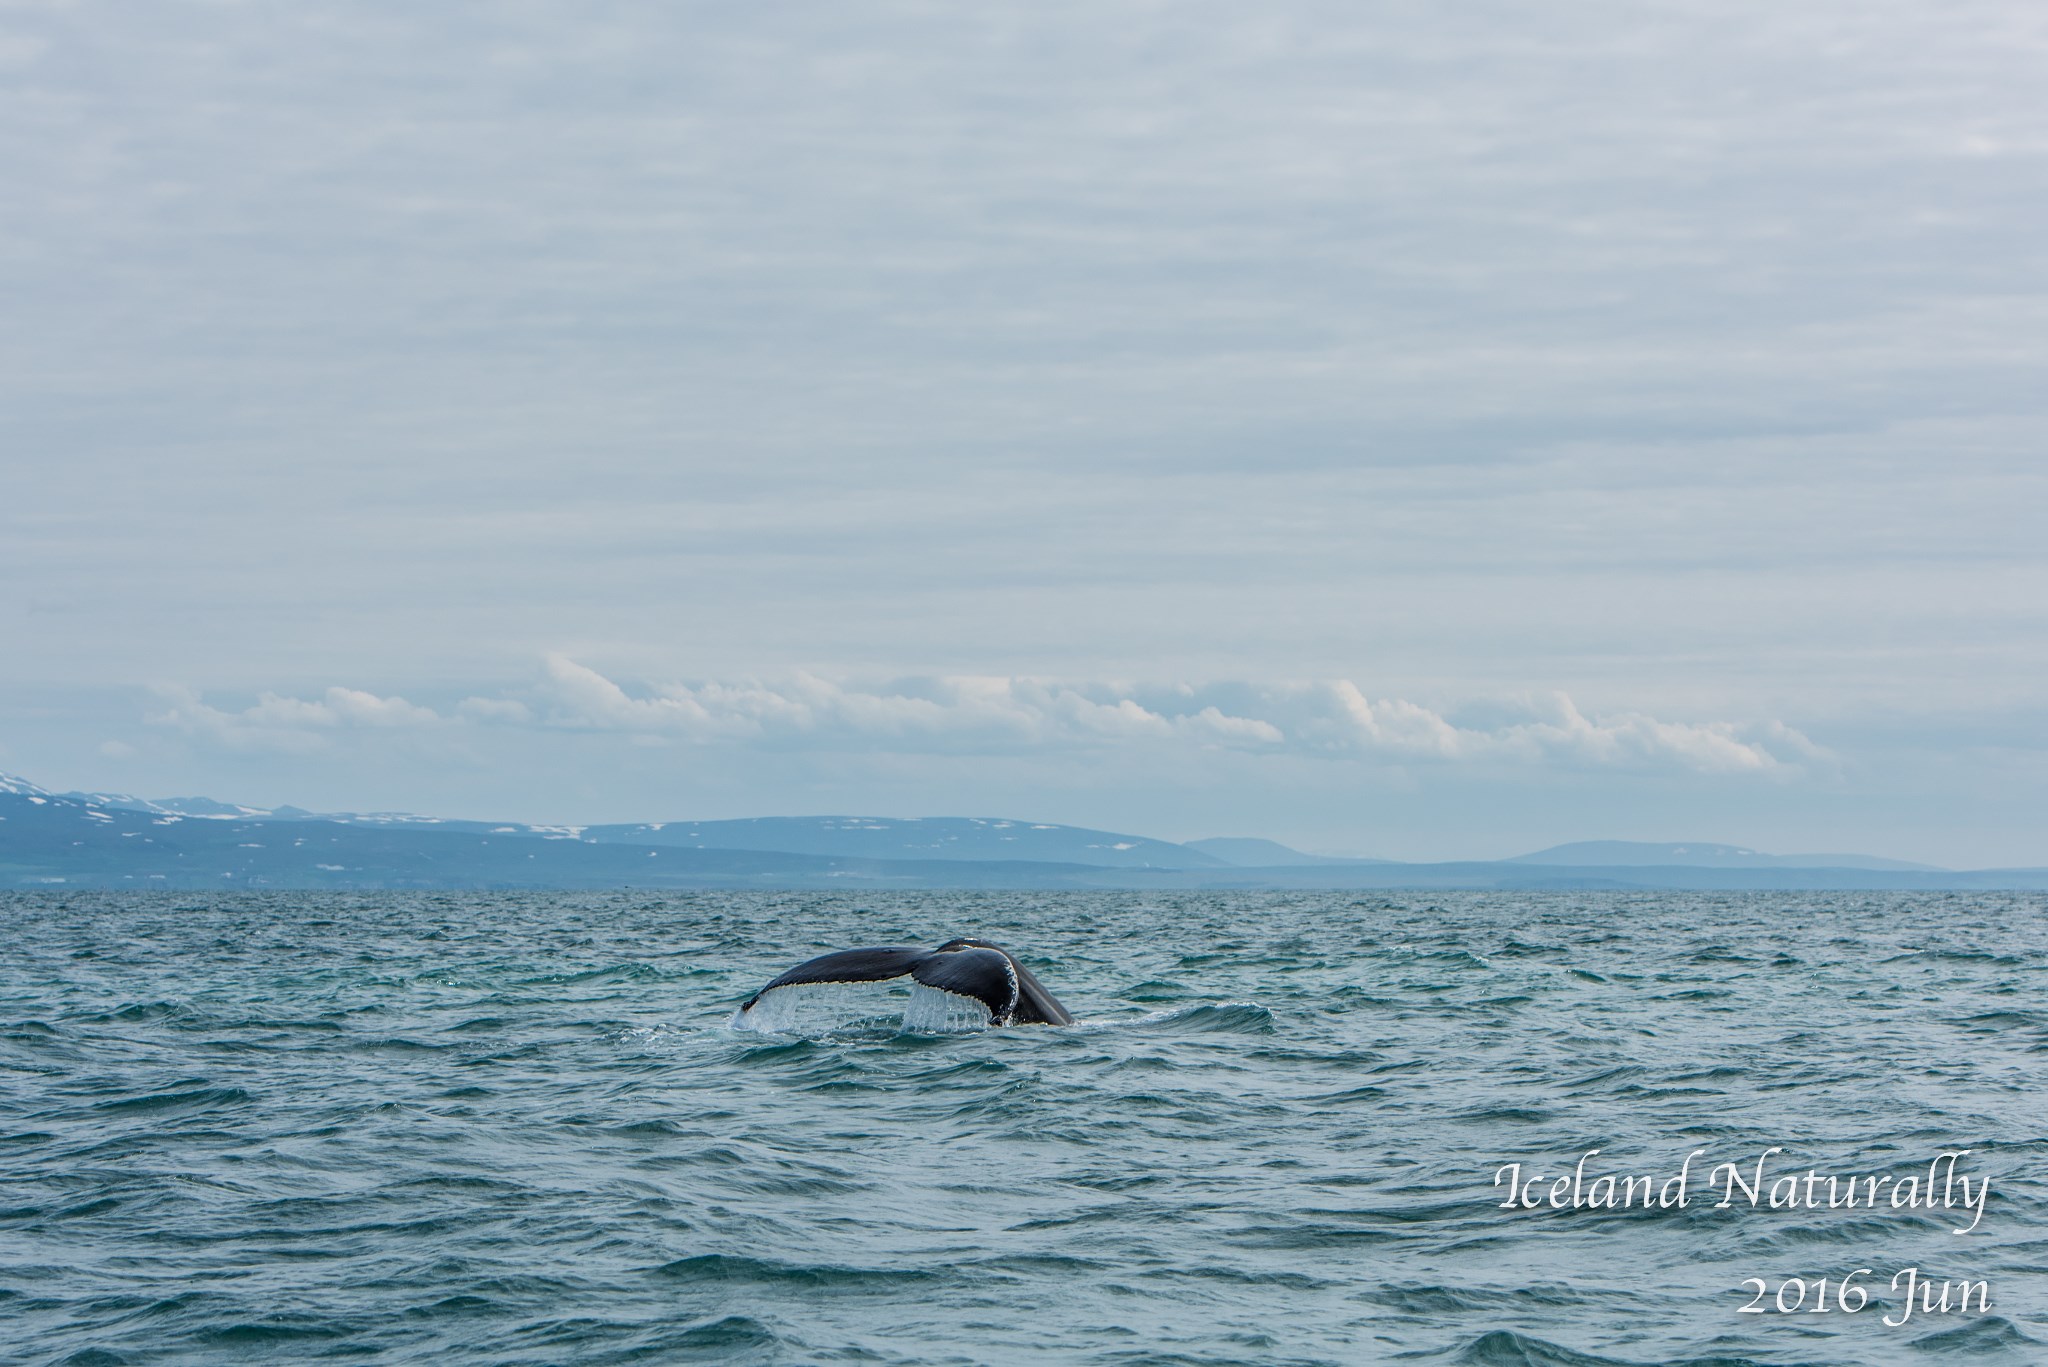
(493, 1128)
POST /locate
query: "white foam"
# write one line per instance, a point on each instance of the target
(814, 1009)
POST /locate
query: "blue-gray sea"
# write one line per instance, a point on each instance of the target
(518, 1128)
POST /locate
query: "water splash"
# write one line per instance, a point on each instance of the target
(932, 1012)
(813, 1010)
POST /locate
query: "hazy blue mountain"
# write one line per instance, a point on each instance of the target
(49, 840)
(1699, 854)
(179, 806)
(1252, 853)
(925, 838)
(863, 837)
(207, 808)
(55, 842)
(1502, 874)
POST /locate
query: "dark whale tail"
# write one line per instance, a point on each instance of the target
(987, 973)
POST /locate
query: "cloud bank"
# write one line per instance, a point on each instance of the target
(981, 715)
(289, 724)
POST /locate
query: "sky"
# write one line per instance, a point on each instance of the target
(1392, 428)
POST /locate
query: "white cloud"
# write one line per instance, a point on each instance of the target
(985, 714)
(352, 707)
(994, 714)
(292, 725)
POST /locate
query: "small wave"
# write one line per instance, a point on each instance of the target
(1283, 1279)
(397, 1044)
(1040, 1264)
(1960, 956)
(1457, 958)
(777, 1049)
(457, 1182)
(1430, 1300)
(727, 1337)
(1246, 1018)
(613, 973)
(731, 1267)
(1991, 1021)
(279, 1330)
(455, 1306)
(1619, 1073)
(726, 1340)
(1153, 990)
(99, 1206)
(1517, 1115)
(95, 1357)
(1341, 998)
(1311, 1238)
(1517, 949)
(164, 1101)
(657, 1128)
(1505, 1348)
(1991, 1334)
(319, 1025)
(140, 1011)
(1352, 1094)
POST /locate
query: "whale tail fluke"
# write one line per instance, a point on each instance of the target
(975, 969)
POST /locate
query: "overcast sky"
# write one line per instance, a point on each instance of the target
(1397, 429)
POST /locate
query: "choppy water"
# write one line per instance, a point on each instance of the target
(492, 1128)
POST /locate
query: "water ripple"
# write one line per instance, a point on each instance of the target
(515, 1128)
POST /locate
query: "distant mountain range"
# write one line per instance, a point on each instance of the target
(109, 840)
(1636, 854)
(1252, 853)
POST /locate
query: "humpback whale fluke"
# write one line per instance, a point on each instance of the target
(988, 973)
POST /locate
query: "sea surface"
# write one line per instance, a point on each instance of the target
(497, 1128)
